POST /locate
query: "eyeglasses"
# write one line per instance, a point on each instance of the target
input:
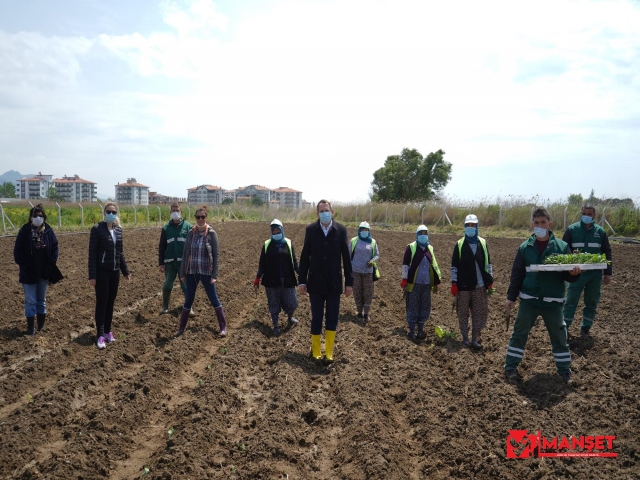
(201, 217)
(111, 211)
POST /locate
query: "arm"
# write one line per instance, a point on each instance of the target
(54, 247)
(305, 257)
(18, 249)
(518, 272)
(185, 255)
(93, 252)
(346, 259)
(215, 252)
(296, 267)
(123, 262)
(376, 254)
(162, 247)
(567, 239)
(455, 264)
(605, 248)
(571, 276)
(262, 263)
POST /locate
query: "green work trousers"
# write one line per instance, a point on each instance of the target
(591, 282)
(552, 316)
(171, 271)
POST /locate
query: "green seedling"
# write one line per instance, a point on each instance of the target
(145, 471)
(223, 350)
(208, 367)
(122, 335)
(442, 333)
(243, 447)
(576, 258)
(170, 432)
(200, 382)
(29, 397)
(233, 469)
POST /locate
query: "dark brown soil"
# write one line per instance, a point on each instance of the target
(254, 406)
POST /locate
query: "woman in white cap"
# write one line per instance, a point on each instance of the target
(420, 276)
(364, 255)
(278, 268)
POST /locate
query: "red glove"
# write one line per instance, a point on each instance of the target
(256, 282)
(403, 283)
(454, 289)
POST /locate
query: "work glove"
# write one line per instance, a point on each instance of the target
(403, 283)
(256, 282)
(454, 289)
(491, 290)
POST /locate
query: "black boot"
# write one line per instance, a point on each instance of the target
(222, 321)
(31, 329)
(41, 318)
(166, 298)
(184, 318)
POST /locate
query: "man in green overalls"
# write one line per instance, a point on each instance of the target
(172, 238)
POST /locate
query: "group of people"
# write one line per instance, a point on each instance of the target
(330, 261)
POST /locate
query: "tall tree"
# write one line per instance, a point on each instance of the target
(7, 190)
(410, 176)
(53, 195)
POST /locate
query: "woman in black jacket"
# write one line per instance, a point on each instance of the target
(278, 268)
(106, 261)
(36, 252)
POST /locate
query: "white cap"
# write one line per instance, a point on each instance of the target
(364, 225)
(471, 218)
(276, 222)
(422, 227)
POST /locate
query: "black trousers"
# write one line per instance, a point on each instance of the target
(325, 305)
(106, 291)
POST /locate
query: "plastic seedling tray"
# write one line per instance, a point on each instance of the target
(567, 267)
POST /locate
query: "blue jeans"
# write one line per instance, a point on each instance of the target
(34, 298)
(192, 285)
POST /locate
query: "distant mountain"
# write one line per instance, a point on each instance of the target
(12, 176)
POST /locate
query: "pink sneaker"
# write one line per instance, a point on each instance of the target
(109, 337)
(101, 343)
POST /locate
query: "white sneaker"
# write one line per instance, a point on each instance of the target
(101, 343)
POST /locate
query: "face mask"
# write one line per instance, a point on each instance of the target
(540, 232)
(364, 235)
(470, 231)
(277, 236)
(423, 239)
(110, 217)
(176, 215)
(325, 217)
(586, 219)
(37, 221)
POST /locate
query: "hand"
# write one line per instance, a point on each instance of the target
(403, 283)
(491, 290)
(256, 282)
(576, 271)
(348, 291)
(454, 289)
(128, 277)
(607, 279)
(212, 281)
(302, 289)
(92, 282)
(183, 279)
(435, 289)
(370, 263)
(508, 304)
(161, 267)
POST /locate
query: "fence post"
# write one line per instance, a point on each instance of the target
(81, 213)
(245, 213)
(370, 215)
(30, 203)
(358, 206)
(500, 217)
(422, 214)
(405, 207)
(603, 220)
(189, 212)
(159, 215)
(147, 207)
(4, 227)
(102, 210)
(565, 218)
(218, 207)
(531, 216)
(59, 216)
(135, 215)
(386, 214)
(263, 210)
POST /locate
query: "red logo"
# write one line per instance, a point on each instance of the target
(522, 444)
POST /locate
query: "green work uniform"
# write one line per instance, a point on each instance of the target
(172, 242)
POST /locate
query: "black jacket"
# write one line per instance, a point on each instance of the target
(103, 253)
(466, 266)
(320, 268)
(26, 260)
(277, 258)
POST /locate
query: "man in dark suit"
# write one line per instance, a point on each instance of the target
(325, 245)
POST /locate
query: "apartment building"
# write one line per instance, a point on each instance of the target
(205, 194)
(253, 191)
(132, 193)
(33, 188)
(160, 199)
(287, 197)
(75, 189)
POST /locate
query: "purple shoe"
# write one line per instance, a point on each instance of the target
(109, 337)
(101, 343)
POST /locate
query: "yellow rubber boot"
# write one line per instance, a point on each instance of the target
(315, 347)
(329, 339)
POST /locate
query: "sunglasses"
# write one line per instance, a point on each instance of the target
(39, 215)
(111, 211)
(201, 217)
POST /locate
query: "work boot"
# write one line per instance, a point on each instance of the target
(274, 320)
(184, 319)
(421, 333)
(41, 318)
(566, 378)
(315, 347)
(584, 332)
(166, 298)
(475, 344)
(31, 329)
(222, 321)
(511, 376)
(292, 321)
(329, 339)
(366, 319)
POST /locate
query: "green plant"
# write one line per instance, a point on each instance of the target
(223, 350)
(170, 432)
(575, 258)
(443, 334)
(200, 382)
(145, 471)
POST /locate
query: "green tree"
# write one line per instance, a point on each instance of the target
(52, 195)
(576, 200)
(227, 201)
(7, 190)
(410, 176)
(256, 202)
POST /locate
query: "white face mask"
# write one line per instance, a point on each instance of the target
(540, 232)
(37, 221)
(176, 215)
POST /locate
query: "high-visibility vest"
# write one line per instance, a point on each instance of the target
(376, 271)
(483, 242)
(266, 245)
(434, 263)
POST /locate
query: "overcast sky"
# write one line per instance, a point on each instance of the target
(536, 98)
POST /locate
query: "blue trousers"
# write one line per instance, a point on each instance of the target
(192, 285)
(325, 305)
(34, 297)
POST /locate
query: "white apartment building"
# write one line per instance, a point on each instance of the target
(205, 194)
(75, 189)
(287, 197)
(34, 188)
(132, 193)
(253, 191)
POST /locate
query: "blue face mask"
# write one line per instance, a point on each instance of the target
(470, 231)
(540, 232)
(325, 217)
(277, 236)
(586, 219)
(110, 217)
(364, 235)
(423, 239)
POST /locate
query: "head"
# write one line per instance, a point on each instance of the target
(422, 235)
(201, 215)
(588, 214)
(277, 229)
(324, 211)
(111, 212)
(37, 212)
(176, 212)
(541, 223)
(364, 231)
(471, 225)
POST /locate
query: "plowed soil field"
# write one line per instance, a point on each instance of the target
(254, 406)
